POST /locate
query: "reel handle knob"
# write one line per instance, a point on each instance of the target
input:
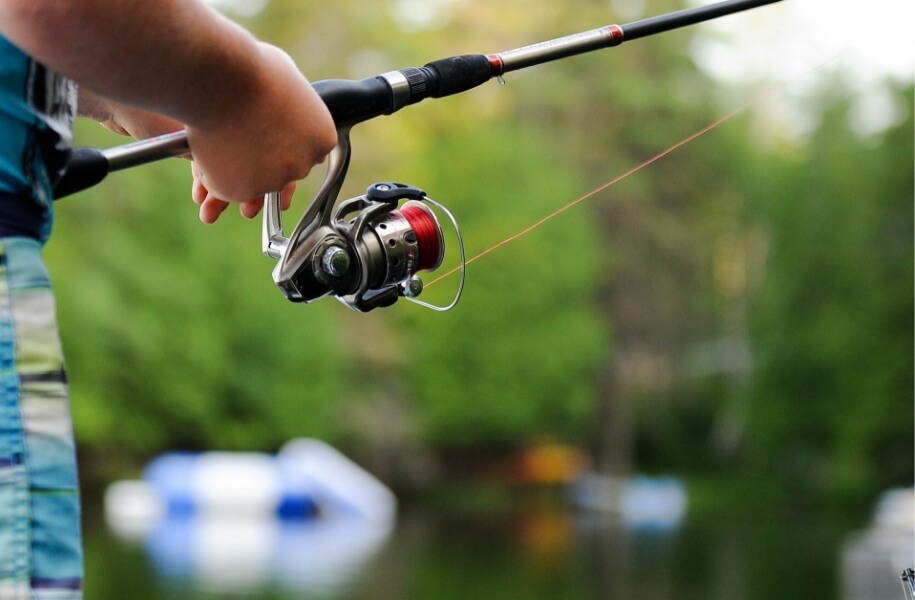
(391, 191)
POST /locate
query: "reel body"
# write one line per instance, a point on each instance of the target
(367, 251)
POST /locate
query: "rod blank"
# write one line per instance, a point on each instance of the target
(689, 16)
(353, 102)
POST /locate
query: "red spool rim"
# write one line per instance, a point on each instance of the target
(429, 240)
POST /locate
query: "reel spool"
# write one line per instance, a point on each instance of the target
(368, 251)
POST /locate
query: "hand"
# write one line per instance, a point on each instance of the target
(279, 154)
(264, 144)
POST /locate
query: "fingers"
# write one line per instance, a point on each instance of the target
(286, 196)
(198, 189)
(211, 207)
(250, 209)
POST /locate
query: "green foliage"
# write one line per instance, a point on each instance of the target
(518, 357)
(833, 324)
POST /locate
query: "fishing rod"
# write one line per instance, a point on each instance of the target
(367, 251)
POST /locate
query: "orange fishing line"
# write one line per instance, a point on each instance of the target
(721, 120)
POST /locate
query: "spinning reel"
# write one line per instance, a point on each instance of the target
(366, 251)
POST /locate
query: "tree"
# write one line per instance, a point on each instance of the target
(832, 326)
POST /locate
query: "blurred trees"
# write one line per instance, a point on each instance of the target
(733, 306)
(832, 322)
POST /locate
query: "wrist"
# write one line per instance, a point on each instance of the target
(92, 106)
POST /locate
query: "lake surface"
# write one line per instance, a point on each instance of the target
(533, 551)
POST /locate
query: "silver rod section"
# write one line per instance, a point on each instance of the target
(146, 151)
(614, 35)
(570, 45)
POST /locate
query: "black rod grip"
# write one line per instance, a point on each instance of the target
(457, 74)
(353, 101)
(86, 167)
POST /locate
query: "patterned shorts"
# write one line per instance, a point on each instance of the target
(40, 547)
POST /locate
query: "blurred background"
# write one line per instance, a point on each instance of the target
(697, 384)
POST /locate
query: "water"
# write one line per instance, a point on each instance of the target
(531, 552)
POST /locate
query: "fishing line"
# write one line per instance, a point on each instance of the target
(683, 142)
(429, 240)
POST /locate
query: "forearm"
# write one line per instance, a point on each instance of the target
(254, 123)
(175, 57)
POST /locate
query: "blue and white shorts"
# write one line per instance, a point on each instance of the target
(40, 545)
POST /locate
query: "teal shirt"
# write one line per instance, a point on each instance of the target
(37, 107)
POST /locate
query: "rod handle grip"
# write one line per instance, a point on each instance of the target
(353, 101)
(458, 74)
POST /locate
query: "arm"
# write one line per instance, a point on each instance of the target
(124, 119)
(180, 59)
